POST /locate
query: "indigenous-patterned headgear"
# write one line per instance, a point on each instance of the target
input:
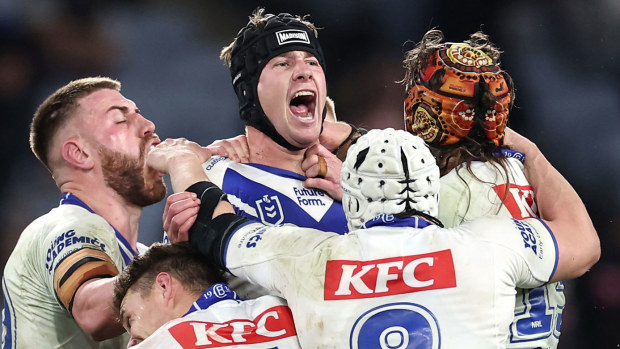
(446, 96)
(388, 172)
(251, 51)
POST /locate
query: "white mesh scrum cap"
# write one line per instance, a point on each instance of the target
(388, 172)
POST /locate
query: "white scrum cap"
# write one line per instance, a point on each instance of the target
(388, 172)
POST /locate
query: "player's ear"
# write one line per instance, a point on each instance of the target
(163, 286)
(76, 153)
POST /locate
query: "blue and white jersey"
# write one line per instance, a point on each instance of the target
(54, 255)
(400, 283)
(219, 319)
(538, 311)
(274, 196)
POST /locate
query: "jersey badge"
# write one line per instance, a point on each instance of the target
(270, 210)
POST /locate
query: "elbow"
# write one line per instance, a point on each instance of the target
(100, 334)
(589, 255)
(595, 253)
(100, 330)
(591, 249)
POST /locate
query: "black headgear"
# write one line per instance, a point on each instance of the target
(251, 51)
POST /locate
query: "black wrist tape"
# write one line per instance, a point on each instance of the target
(208, 234)
(210, 196)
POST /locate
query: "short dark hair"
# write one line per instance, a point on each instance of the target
(58, 108)
(180, 260)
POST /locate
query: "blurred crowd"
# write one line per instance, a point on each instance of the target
(562, 56)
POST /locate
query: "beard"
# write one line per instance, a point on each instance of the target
(126, 175)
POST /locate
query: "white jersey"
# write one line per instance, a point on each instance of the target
(538, 311)
(54, 253)
(218, 319)
(400, 283)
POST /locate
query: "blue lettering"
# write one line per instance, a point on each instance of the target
(77, 239)
(210, 166)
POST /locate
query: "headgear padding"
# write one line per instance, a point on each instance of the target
(388, 172)
(251, 51)
(445, 96)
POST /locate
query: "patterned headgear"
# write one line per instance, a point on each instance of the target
(388, 172)
(445, 96)
(252, 50)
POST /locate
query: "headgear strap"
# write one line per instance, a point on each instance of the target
(252, 49)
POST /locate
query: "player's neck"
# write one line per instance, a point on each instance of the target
(265, 151)
(108, 204)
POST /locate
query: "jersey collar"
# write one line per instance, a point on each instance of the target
(216, 293)
(127, 252)
(393, 221)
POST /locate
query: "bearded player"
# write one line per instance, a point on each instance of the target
(58, 282)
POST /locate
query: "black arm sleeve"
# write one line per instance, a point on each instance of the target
(209, 235)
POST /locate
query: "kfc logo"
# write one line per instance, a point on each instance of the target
(275, 323)
(390, 276)
(519, 201)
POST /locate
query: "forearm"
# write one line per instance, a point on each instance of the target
(334, 134)
(184, 173)
(93, 311)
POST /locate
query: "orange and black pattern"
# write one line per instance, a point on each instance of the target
(445, 114)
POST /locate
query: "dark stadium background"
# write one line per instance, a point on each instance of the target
(562, 55)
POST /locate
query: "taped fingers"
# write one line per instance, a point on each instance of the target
(322, 167)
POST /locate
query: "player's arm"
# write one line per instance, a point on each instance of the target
(562, 210)
(182, 160)
(83, 283)
(92, 309)
(337, 137)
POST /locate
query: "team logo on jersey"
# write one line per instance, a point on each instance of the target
(270, 210)
(519, 201)
(378, 278)
(273, 324)
(397, 325)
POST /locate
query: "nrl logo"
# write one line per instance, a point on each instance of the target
(270, 210)
(291, 35)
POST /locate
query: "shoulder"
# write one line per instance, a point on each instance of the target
(67, 220)
(531, 235)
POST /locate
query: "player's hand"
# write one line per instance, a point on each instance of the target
(519, 143)
(174, 152)
(179, 215)
(334, 134)
(235, 148)
(323, 171)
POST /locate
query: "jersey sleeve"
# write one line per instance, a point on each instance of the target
(256, 253)
(215, 168)
(531, 252)
(76, 251)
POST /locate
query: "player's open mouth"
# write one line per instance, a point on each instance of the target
(302, 104)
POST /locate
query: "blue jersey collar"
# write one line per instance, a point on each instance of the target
(216, 293)
(125, 248)
(393, 221)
